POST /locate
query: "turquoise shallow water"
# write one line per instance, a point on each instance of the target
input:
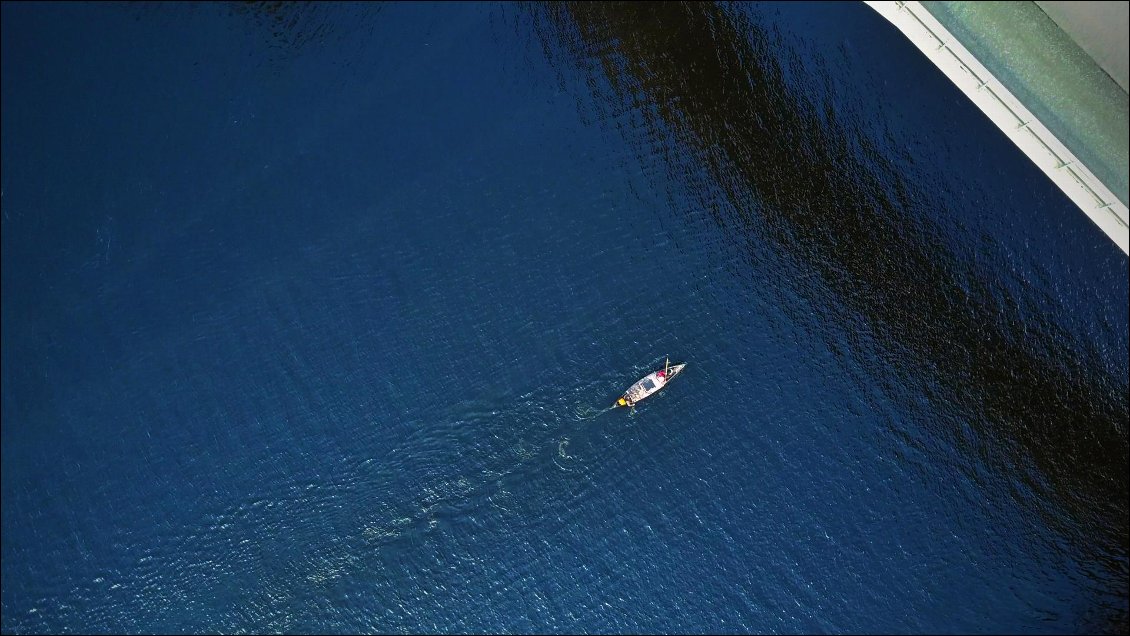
(309, 315)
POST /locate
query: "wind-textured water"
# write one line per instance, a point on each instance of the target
(311, 314)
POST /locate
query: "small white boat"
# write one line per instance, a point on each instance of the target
(649, 385)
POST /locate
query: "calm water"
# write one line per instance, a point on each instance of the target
(310, 315)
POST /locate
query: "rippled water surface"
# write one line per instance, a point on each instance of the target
(311, 314)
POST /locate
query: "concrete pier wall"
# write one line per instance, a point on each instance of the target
(1036, 83)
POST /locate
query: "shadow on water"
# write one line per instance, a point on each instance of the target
(797, 178)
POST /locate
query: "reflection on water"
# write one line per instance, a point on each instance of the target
(794, 174)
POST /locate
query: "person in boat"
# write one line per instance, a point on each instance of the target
(660, 374)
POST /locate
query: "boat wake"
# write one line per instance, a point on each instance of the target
(586, 412)
(561, 446)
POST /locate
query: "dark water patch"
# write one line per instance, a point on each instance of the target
(797, 175)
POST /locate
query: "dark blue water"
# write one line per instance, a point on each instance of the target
(310, 313)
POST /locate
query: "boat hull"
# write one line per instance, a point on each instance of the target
(648, 385)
